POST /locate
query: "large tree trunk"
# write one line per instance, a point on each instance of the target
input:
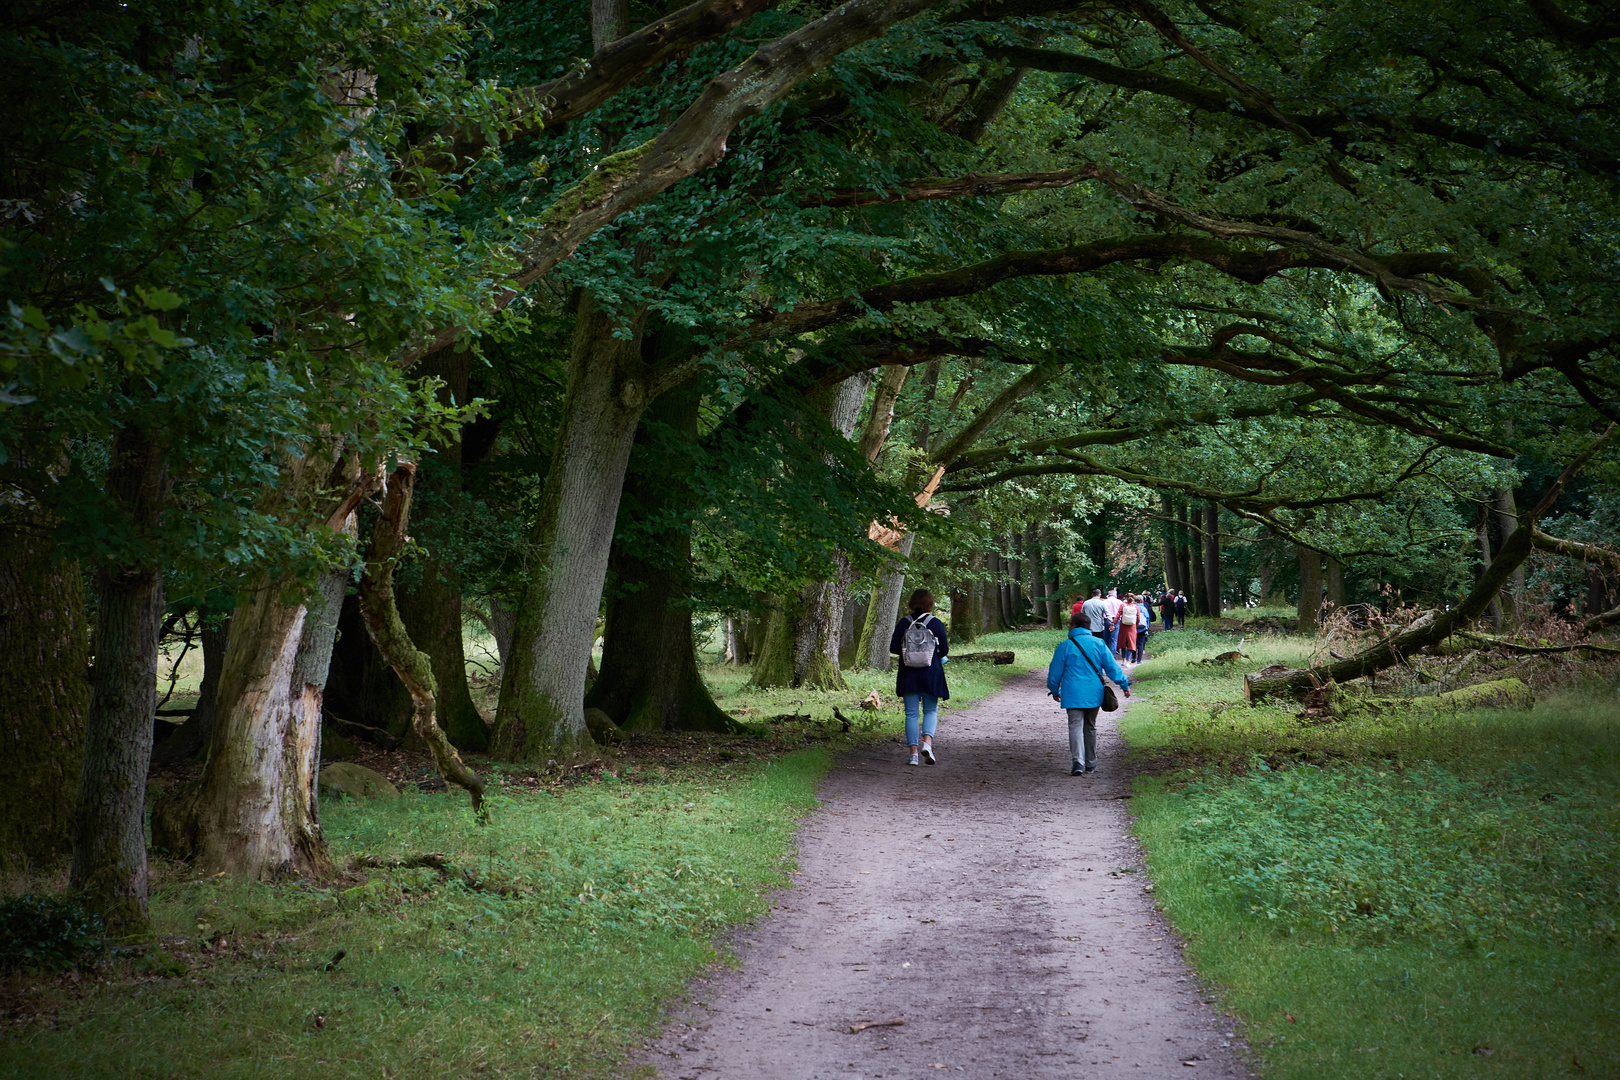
(542, 707)
(1198, 595)
(387, 629)
(1037, 574)
(1017, 601)
(1212, 557)
(649, 679)
(1172, 563)
(1310, 589)
(109, 848)
(254, 811)
(1435, 626)
(194, 734)
(1333, 584)
(1507, 520)
(45, 640)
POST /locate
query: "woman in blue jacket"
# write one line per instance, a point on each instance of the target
(921, 687)
(1078, 687)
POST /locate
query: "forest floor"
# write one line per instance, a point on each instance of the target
(1002, 898)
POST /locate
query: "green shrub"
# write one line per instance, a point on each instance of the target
(47, 932)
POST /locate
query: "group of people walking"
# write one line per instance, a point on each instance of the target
(1103, 630)
(1125, 624)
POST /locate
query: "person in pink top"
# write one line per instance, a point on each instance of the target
(1129, 613)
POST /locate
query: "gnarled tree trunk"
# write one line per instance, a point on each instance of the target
(1212, 557)
(254, 811)
(649, 679)
(387, 629)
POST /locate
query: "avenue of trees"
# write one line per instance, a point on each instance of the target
(334, 326)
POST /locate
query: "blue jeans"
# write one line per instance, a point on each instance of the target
(1169, 618)
(930, 716)
(1113, 637)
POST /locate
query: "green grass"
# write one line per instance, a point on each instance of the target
(1394, 896)
(594, 905)
(588, 908)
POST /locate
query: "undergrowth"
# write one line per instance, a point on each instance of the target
(1432, 895)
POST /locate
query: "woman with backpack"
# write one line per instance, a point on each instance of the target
(1075, 681)
(919, 640)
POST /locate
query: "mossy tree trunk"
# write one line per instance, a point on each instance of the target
(649, 680)
(1172, 562)
(381, 613)
(881, 614)
(109, 847)
(45, 639)
(430, 605)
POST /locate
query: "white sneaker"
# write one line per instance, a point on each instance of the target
(928, 754)
(914, 760)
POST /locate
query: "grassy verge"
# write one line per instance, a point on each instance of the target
(1394, 897)
(547, 948)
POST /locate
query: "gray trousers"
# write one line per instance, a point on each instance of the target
(1086, 720)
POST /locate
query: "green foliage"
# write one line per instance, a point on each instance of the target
(1397, 895)
(1418, 852)
(48, 933)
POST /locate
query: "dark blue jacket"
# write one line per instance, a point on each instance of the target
(916, 680)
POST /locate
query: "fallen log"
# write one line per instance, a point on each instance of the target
(983, 658)
(1433, 627)
(1331, 702)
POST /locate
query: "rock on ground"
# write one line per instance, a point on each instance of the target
(355, 781)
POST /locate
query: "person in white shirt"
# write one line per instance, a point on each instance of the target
(1113, 605)
(1095, 614)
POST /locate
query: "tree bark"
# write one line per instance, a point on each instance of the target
(45, 639)
(109, 848)
(1310, 589)
(1212, 557)
(1333, 584)
(542, 707)
(387, 629)
(1056, 611)
(1483, 535)
(1198, 595)
(1172, 564)
(194, 734)
(1507, 520)
(649, 679)
(884, 610)
(431, 613)
(1435, 626)
(254, 812)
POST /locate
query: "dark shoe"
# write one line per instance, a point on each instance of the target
(1091, 768)
(1076, 770)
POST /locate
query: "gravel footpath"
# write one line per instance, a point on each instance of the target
(993, 901)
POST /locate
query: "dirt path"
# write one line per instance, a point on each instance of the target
(992, 900)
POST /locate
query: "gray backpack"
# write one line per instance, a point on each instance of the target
(918, 646)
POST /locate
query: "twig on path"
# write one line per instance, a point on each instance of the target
(896, 1022)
